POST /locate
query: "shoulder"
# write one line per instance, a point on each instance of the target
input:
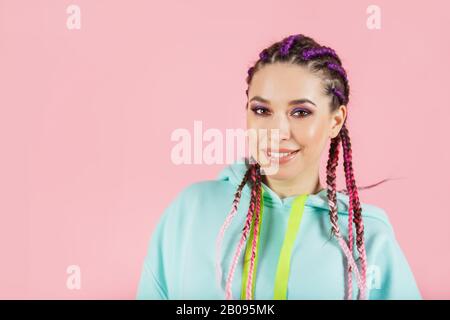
(206, 189)
(372, 214)
(379, 232)
(199, 198)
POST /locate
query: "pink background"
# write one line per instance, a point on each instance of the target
(86, 117)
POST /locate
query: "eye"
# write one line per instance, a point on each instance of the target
(260, 111)
(302, 113)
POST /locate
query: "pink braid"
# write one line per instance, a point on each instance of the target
(255, 236)
(354, 199)
(350, 245)
(345, 249)
(332, 202)
(246, 230)
(237, 198)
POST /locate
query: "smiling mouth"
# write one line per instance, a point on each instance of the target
(281, 154)
(281, 157)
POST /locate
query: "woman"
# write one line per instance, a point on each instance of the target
(302, 241)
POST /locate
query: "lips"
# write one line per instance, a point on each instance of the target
(281, 152)
(281, 156)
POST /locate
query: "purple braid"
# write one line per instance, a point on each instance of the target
(264, 55)
(338, 69)
(312, 53)
(339, 95)
(287, 44)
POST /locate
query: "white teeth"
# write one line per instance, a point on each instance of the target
(279, 155)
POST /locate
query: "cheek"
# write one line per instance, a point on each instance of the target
(311, 134)
(250, 122)
(253, 122)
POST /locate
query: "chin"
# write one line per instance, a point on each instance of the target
(284, 172)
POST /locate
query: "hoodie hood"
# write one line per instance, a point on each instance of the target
(234, 173)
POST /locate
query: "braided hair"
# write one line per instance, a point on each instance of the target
(303, 50)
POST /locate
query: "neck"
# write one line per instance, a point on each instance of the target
(301, 184)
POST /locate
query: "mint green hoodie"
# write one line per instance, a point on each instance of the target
(180, 262)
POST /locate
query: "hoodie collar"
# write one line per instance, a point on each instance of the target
(234, 173)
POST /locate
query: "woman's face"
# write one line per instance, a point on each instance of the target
(290, 98)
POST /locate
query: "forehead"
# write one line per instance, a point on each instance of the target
(280, 82)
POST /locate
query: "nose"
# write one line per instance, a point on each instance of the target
(285, 128)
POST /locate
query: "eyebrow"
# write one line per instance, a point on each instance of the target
(297, 101)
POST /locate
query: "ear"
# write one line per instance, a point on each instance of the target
(337, 120)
